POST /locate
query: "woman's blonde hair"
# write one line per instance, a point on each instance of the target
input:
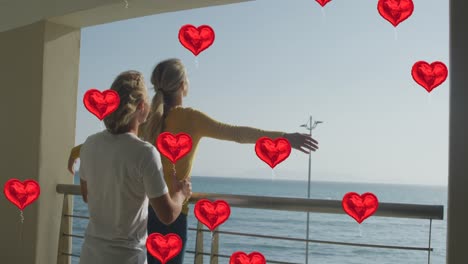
(130, 86)
(167, 78)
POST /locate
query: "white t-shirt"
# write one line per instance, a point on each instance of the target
(121, 172)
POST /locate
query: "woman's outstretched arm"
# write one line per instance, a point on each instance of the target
(208, 127)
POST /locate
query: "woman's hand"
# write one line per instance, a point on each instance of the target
(183, 187)
(186, 188)
(302, 142)
(71, 163)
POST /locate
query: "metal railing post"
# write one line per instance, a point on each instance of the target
(429, 247)
(214, 247)
(198, 259)
(65, 227)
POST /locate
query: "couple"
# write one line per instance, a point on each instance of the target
(120, 168)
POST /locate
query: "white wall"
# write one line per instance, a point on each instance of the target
(39, 73)
(457, 218)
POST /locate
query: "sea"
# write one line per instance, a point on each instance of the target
(325, 227)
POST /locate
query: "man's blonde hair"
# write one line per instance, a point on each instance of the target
(130, 86)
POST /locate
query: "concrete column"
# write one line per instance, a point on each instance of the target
(457, 218)
(39, 81)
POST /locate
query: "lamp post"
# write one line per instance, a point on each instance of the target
(309, 126)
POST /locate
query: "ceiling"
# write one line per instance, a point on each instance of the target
(84, 13)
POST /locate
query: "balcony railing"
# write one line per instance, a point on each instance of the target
(414, 211)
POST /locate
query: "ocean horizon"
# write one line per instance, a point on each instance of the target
(327, 227)
(321, 181)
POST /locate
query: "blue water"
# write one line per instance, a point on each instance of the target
(331, 227)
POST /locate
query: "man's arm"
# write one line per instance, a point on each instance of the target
(84, 190)
(166, 206)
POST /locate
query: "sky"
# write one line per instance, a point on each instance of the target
(276, 62)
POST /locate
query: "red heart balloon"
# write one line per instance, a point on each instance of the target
(20, 193)
(101, 104)
(395, 11)
(242, 258)
(212, 214)
(164, 248)
(323, 2)
(174, 147)
(428, 75)
(358, 206)
(272, 152)
(196, 39)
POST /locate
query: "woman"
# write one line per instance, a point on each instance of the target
(118, 173)
(170, 82)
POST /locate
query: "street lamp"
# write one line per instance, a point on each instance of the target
(309, 126)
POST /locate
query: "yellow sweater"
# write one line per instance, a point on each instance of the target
(198, 125)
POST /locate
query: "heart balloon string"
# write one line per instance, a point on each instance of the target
(360, 230)
(395, 33)
(273, 175)
(196, 63)
(21, 228)
(212, 253)
(21, 237)
(21, 232)
(174, 171)
(126, 3)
